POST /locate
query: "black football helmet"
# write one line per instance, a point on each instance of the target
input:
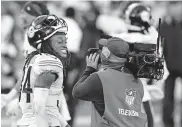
(44, 27)
(138, 14)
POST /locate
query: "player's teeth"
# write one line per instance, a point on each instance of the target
(64, 51)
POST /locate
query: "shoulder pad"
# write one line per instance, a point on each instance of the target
(46, 62)
(47, 59)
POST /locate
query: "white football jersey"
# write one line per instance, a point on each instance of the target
(41, 63)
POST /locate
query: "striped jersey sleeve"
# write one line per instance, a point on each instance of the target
(47, 63)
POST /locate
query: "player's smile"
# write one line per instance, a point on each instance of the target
(58, 42)
(64, 51)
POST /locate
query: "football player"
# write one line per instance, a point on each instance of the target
(29, 12)
(44, 69)
(138, 20)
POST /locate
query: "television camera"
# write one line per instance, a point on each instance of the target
(143, 60)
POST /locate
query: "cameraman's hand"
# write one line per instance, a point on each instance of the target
(92, 60)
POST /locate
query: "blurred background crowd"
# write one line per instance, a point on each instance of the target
(86, 21)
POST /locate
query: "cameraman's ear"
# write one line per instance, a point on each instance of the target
(106, 52)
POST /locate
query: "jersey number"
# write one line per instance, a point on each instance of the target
(25, 84)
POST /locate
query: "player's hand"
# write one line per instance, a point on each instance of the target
(92, 60)
(4, 100)
(13, 108)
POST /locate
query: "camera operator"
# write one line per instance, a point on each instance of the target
(116, 95)
(143, 37)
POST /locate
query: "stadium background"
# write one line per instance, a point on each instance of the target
(86, 15)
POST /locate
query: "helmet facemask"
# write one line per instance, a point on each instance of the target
(41, 31)
(44, 27)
